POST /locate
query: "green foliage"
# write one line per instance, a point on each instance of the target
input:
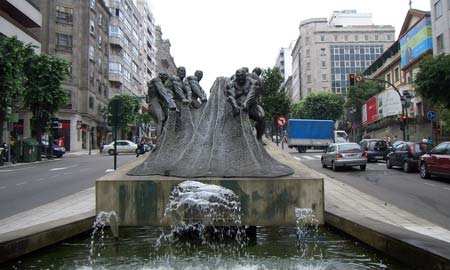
(13, 56)
(43, 94)
(274, 100)
(130, 107)
(359, 94)
(321, 105)
(433, 79)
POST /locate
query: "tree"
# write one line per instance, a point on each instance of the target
(43, 94)
(13, 55)
(321, 105)
(359, 94)
(274, 100)
(433, 79)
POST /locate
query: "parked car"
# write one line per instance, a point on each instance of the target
(344, 155)
(407, 155)
(376, 149)
(123, 146)
(436, 161)
(58, 151)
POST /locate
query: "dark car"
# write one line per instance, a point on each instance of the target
(436, 162)
(407, 155)
(58, 151)
(376, 149)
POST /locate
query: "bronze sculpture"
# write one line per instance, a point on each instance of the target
(160, 100)
(197, 90)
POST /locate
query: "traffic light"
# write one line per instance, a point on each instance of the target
(54, 122)
(351, 78)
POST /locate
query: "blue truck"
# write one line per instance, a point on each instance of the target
(306, 134)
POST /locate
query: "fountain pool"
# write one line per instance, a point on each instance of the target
(271, 248)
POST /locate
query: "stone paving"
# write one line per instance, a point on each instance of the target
(339, 197)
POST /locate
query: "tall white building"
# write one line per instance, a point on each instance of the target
(326, 52)
(440, 21)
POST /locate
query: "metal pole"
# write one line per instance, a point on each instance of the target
(115, 147)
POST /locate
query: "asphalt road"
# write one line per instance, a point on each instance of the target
(429, 199)
(25, 187)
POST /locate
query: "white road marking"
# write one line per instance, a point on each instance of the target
(111, 170)
(2, 187)
(62, 168)
(431, 185)
(21, 183)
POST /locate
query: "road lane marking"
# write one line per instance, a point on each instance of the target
(431, 185)
(62, 168)
(21, 183)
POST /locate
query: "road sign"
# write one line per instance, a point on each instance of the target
(431, 115)
(281, 121)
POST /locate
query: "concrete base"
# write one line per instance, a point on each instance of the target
(141, 200)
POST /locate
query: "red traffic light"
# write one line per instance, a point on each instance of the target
(351, 78)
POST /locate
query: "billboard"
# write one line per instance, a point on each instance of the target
(370, 111)
(416, 41)
(388, 103)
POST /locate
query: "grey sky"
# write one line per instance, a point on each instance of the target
(219, 36)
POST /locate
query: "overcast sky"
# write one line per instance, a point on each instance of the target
(219, 36)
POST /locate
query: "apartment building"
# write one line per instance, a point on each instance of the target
(440, 20)
(20, 18)
(326, 51)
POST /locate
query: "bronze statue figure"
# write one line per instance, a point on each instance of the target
(197, 90)
(242, 94)
(160, 99)
(180, 87)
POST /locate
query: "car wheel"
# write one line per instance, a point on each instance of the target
(323, 164)
(424, 171)
(388, 164)
(362, 167)
(334, 167)
(111, 152)
(406, 167)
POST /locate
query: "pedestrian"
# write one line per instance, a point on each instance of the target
(429, 140)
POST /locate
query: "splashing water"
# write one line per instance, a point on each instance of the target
(102, 220)
(198, 211)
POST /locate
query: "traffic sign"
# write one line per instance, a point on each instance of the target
(281, 121)
(431, 115)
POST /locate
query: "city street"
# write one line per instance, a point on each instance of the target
(428, 199)
(28, 186)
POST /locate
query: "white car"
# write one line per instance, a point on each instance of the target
(123, 146)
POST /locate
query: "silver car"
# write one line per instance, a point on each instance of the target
(340, 155)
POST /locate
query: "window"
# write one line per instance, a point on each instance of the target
(438, 9)
(324, 64)
(397, 74)
(64, 15)
(91, 103)
(91, 27)
(322, 38)
(63, 41)
(115, 67)
(324, 77)
(440, 43)
(91, 53)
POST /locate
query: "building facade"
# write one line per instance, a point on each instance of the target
(20, 18)
(440, 19)
(78, 32)
(327, 51)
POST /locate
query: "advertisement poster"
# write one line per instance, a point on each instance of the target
(416, 42)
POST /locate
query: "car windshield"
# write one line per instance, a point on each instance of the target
(422, 147)
(349, 147)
